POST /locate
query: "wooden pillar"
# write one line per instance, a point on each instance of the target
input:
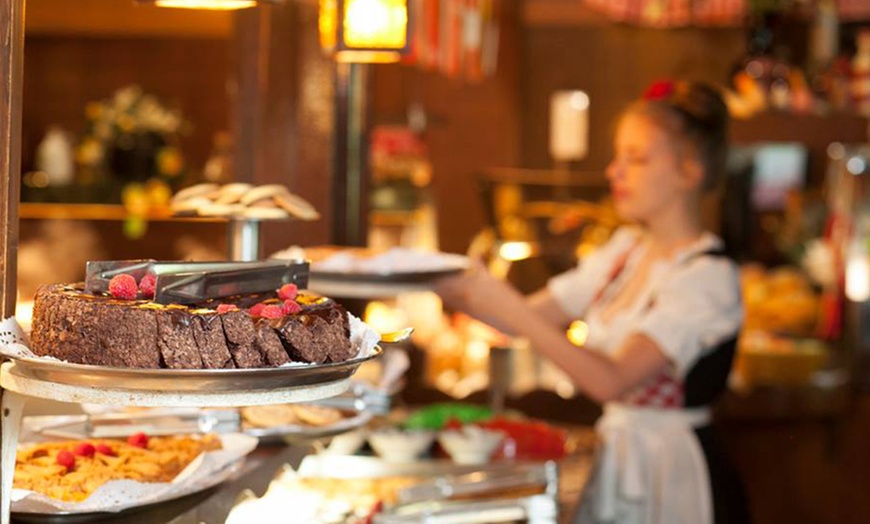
(282, 119)
(11, 73)
(350, 155)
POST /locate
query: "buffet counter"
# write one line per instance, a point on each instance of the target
(214, 505)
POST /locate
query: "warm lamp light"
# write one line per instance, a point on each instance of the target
(364, 30)
(214, 5)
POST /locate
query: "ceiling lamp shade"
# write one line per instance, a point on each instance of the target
(364, 30)
(214, 5)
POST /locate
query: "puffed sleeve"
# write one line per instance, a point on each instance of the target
(574, 289)
(694, 309)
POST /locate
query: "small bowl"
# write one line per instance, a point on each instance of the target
(470, 444)
(346, 443)
(395, 445)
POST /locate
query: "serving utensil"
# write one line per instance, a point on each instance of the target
(191, 282)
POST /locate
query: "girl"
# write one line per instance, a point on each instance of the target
(663, 309)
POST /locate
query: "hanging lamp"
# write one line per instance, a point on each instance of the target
(364, 31)
(213, 5)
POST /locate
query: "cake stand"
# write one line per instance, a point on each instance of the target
(20, 379)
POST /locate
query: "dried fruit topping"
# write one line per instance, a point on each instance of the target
(226, 308)
(290, 307)
(84, 449)
(256, 310)
(271, 311)
(124, 287)
(288, 292)
(140, 440)
(148, 285)
(105, 450)
(66, 459)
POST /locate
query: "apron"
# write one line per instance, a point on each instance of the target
(651, 467)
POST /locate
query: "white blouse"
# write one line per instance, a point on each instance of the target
(687, 306)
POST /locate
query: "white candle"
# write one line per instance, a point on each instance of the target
(569, 125)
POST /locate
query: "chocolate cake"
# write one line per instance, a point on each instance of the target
(236, 332)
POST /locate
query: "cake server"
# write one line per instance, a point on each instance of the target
(190, 282)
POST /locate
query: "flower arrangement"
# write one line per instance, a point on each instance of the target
(132, 136)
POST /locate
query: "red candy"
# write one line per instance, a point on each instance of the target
(84, 449)
(290, 307)
(226, 308)
(124, 287)
(288, 292)
(105, 450)
(66, 459)
(256, 310)
(140, 440)
(272, 311)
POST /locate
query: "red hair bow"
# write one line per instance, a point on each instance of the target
(659, 90)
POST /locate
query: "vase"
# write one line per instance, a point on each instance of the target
(133, 157)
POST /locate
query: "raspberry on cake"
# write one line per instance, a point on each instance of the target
(124, 287)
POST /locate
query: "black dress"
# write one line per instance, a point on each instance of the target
(704, 383)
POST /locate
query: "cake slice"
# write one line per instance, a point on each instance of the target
(208, 332)
(175, 339)
(240, 336)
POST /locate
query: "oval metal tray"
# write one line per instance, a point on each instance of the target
(191, 380)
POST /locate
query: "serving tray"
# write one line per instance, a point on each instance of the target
(189, 380)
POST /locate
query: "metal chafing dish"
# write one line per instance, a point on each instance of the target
(442, 491)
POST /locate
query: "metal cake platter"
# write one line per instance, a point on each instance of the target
(190, 380)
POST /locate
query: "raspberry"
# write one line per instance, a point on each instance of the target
(147, 286)
(288, 292)
(123, 286)
(84, 449)
(66, 459)
(290, 307)
(256, 310)
(140, 440)
(105, 450)
(226, 308)
(272, 311)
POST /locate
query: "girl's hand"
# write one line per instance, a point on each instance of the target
(483, 296)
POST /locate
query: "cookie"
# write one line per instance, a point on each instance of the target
(263, 192)
(270, 416)
(189, 205)
(265, 213)
(220, 210)
(297, 206)
(232, 193)
(199, 190)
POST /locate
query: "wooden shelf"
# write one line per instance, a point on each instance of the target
(38, 211)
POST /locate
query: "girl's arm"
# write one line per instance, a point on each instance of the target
(539, 319)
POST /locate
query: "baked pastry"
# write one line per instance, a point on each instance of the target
(72, 470)
(251, 331)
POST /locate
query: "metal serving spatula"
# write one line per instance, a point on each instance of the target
(191, 282)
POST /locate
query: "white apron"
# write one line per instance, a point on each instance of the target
(651, 469)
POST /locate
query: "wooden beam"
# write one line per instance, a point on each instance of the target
(12, 72)
(555, 13)
(123, 19)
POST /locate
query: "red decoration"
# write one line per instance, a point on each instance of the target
(659, 90)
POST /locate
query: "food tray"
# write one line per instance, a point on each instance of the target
(190, 380)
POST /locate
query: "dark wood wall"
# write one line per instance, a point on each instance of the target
(612, 63)
(63, 73)
(471, 127)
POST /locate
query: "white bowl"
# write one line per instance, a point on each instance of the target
(470, 444)
(346, 443)
(396, 445)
